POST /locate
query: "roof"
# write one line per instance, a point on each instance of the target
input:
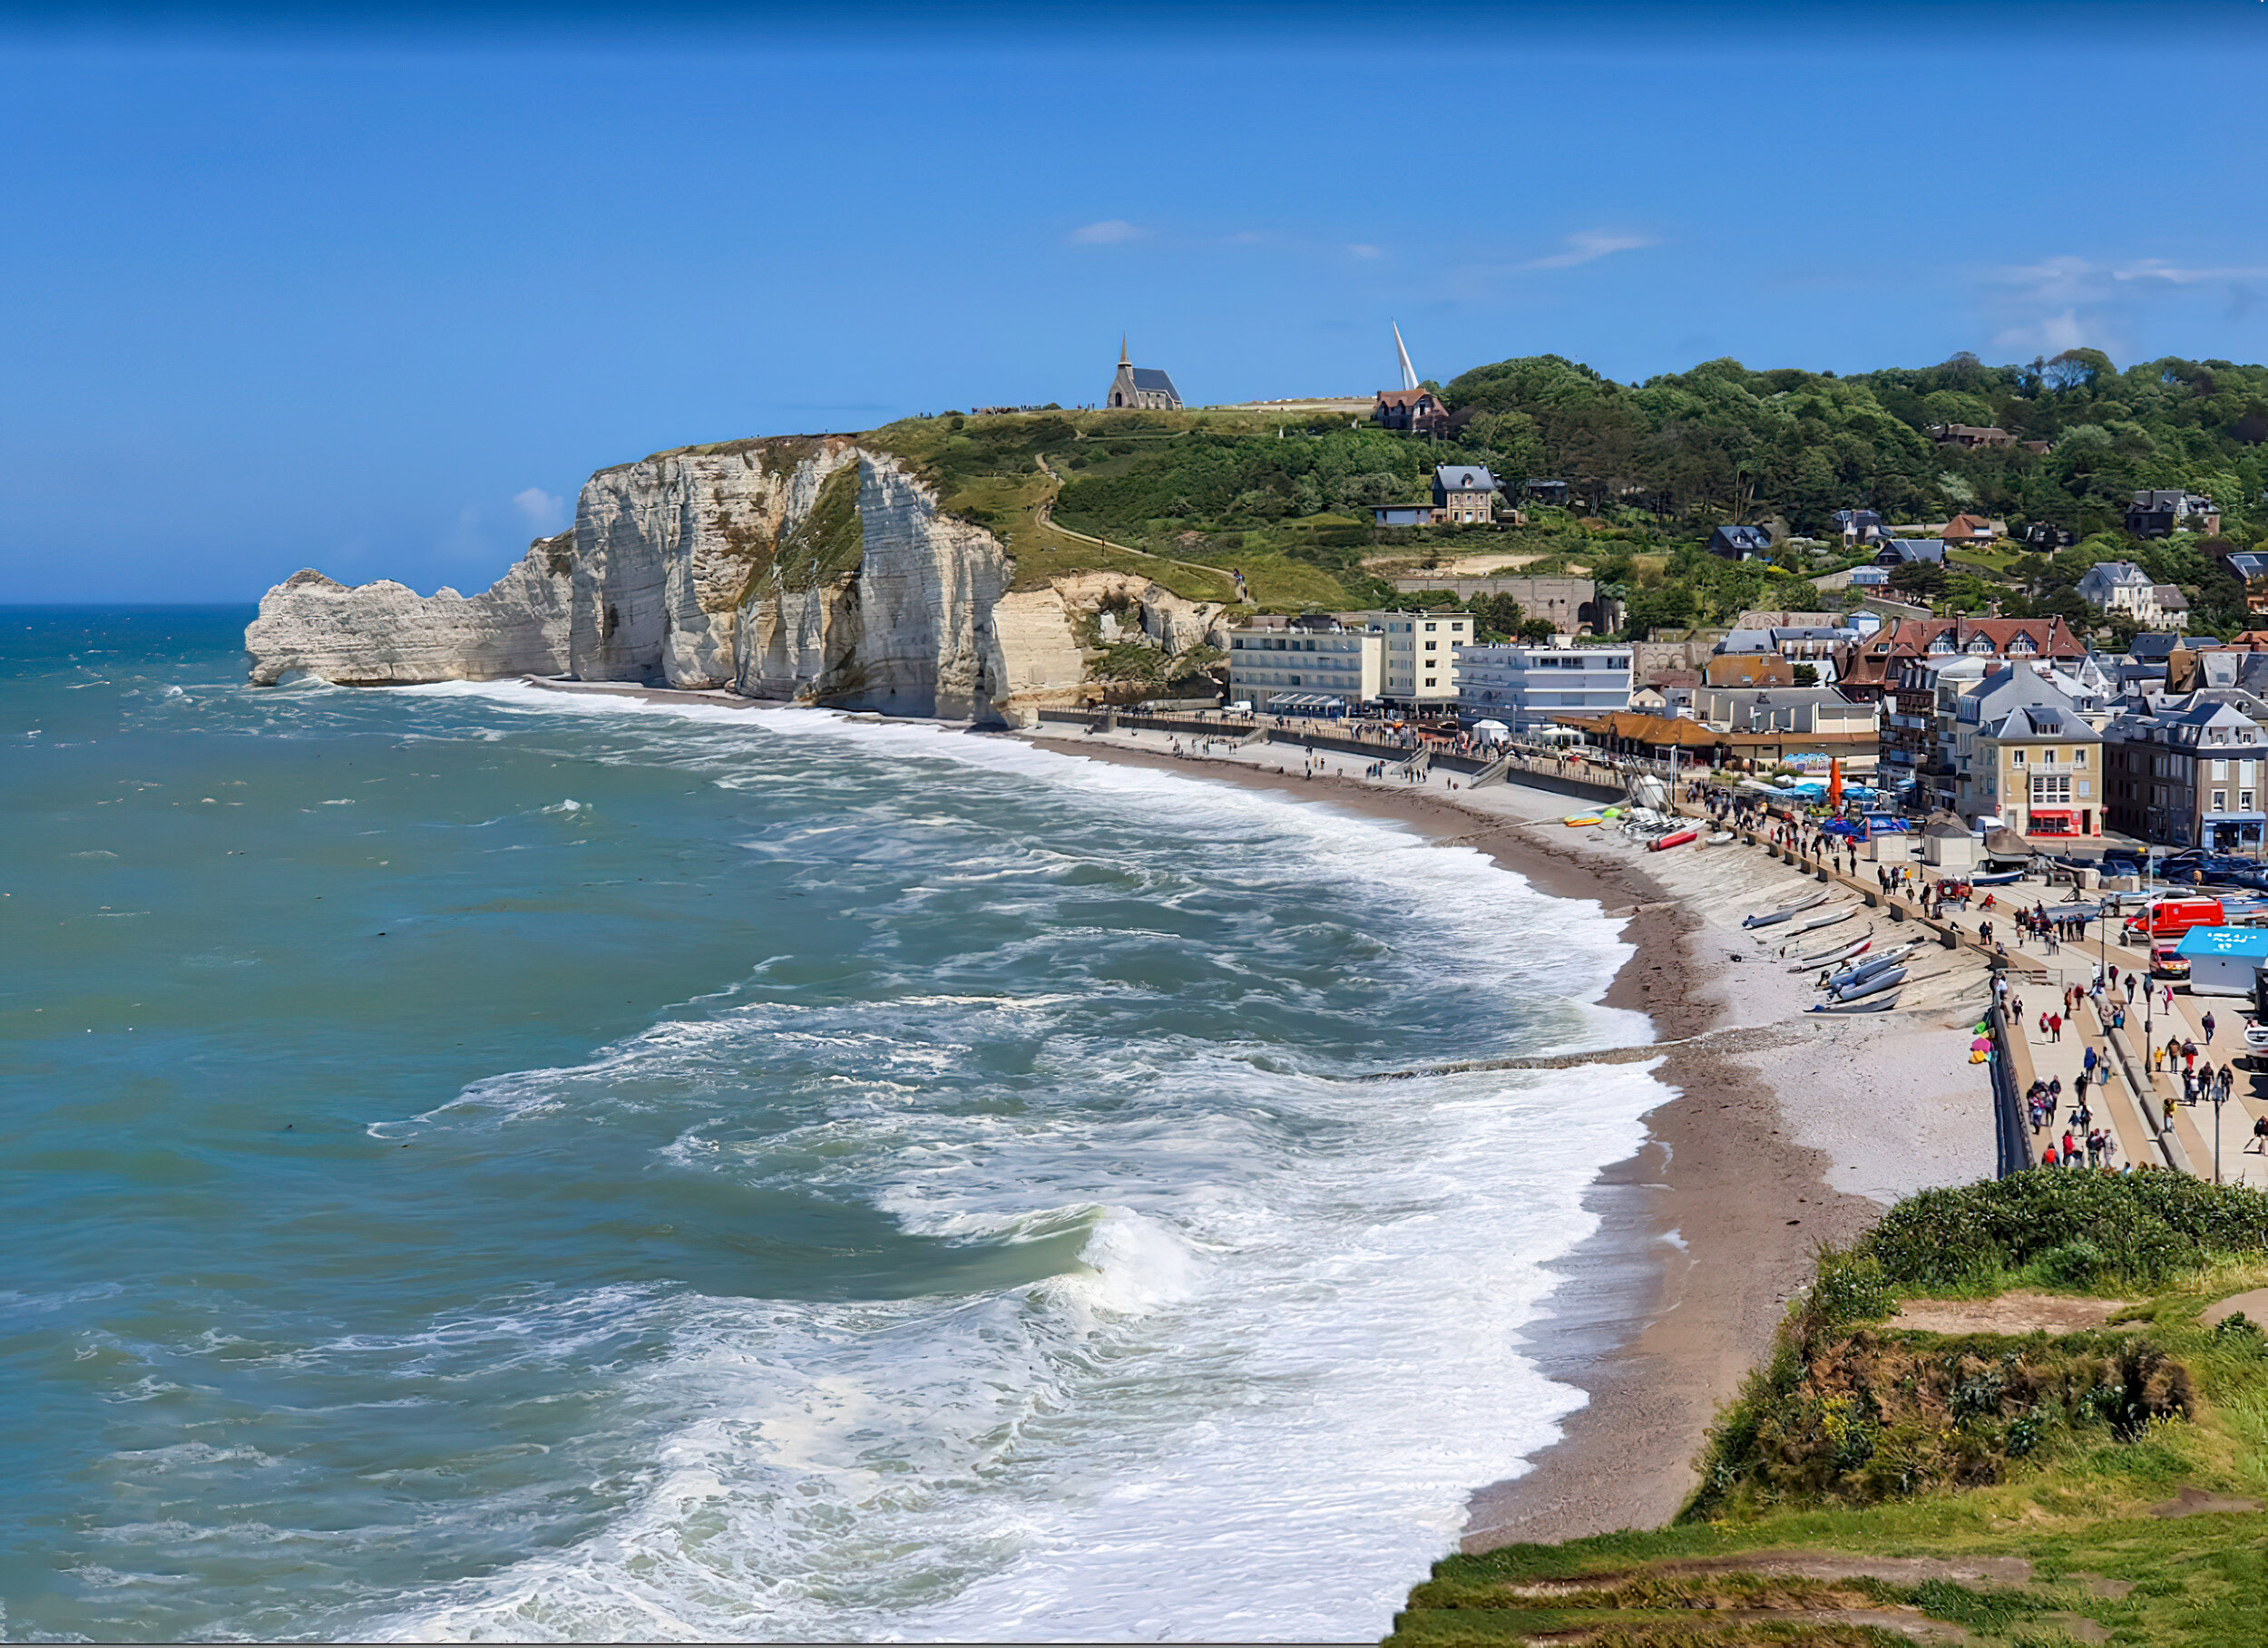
(1464, 478)
(1407, 398)
(2118, 572)
(1967, 526)
(1916, 549)
(1743, 537)
(2248, 941)
(1152, 378)
(2043, 721)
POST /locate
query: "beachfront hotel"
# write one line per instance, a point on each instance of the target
(1305, 664)
(1527, 687)
(1421, 654)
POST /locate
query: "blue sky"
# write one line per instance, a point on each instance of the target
(374, 297)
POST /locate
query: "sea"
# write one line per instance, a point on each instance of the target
(489, 1162)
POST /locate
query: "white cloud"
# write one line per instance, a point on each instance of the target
(1586, 245)
(2152, 268)
(1110, 231)
(1364, 249)
(545, 511)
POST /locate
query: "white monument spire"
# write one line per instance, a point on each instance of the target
(1409, 373)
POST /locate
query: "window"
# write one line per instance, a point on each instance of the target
(1429, 680)
(2220, 768)
(1431, 627)
(2016, 757)
(2243, 801)
(2220, 801)
(2051, 789)
(2078, 757)
(1432, 646)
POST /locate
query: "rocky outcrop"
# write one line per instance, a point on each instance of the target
(803, 567)
(387, 635)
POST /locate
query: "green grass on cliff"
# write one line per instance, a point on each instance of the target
(2103, 1484)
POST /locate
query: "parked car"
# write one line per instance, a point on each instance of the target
(2167, 962)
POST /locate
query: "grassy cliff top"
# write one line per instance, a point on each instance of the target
(2017, 1410)
(1284, 494)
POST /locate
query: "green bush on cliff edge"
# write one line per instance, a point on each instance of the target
(1877, 1481)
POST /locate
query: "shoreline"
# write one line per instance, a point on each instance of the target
(1705, 1232)
(1709, 1228)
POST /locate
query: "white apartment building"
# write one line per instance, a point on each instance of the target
(1527, 687)
(1305, 660)
(1420, 655)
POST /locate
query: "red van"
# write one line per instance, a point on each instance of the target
(2170, 918)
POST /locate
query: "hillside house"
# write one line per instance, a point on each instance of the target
(1859, 526)
(1904, 552)
(1464, 494)
(1740, 543)
(1970, 436)
(1410, 412)
(2161, 513)
(1965, 531)
(2121, 587)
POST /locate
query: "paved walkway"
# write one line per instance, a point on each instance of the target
(2135, 1100)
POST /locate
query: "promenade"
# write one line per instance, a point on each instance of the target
(2132, 1100)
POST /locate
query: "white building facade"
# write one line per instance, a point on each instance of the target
(1265, 665)
(1527, 687)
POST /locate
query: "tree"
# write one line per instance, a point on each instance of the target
(1925, 578)
(1807, 675)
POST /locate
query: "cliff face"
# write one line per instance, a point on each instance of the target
(802, 567)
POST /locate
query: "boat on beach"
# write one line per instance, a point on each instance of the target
(1675, 838)
(1721, 837)
(1873, 1004)
(1829, 957)
(1830, 919)
(1873, 985)
(1999, 878)
(1577, 821)
(1859, 973)
(1788, 913)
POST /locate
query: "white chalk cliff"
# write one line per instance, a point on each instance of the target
(803, 567)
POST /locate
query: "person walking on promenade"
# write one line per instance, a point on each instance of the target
(2189, 1053)
(2206, 1025)
(2130, 988)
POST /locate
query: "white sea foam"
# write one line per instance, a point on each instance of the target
(1253, 1409)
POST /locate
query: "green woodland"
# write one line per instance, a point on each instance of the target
(1650, 468)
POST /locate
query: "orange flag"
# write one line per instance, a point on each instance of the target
(1834, 782)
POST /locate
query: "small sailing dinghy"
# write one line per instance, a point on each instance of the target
(1873, 1004)
(1773, 918)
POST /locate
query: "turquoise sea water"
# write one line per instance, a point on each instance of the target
(487, 1163)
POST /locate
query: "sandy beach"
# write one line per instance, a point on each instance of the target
(1786, 1130)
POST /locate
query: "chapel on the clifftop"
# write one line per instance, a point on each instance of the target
(1144, 389)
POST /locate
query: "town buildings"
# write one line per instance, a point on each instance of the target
(1529, 687)
(2038, 769)
(1818, 711)
(2188, 772)
(1305, 663)
(1420, 659)
(1141, 388)
(1871, 667)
